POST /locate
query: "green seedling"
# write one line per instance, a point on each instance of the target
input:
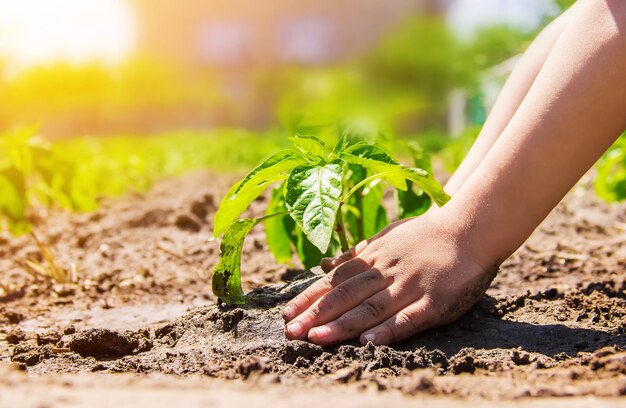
(324, 200)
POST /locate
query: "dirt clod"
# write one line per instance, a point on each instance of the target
(188, 222)
(101, 343)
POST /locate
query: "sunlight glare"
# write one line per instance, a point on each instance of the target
(35, 31)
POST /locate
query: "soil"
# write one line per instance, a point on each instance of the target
(553, 323)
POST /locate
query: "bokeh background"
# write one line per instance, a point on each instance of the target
(101, 67)
(99, 96)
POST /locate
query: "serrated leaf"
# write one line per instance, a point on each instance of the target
(226, 278)
(309, 145)
(243, 193)
(279, 230)
(312, 198)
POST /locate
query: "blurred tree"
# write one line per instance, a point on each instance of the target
(495, 44)
(423, 58)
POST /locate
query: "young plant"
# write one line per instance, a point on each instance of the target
(325, 200)
(50, 269)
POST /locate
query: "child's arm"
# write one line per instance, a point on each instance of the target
(511, 96)
(428, 271)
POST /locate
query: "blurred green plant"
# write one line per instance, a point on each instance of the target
(610, 181)
(453, 153)
(564, 4)
(492, 45)
(75, 174)
(140, 94)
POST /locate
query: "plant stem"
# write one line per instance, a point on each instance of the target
(364, 182)
(341, 230)
(267, 217)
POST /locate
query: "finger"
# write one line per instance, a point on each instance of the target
(305, 299)
(407, 322)
(369, 313)
(328, 264)
(339, 300)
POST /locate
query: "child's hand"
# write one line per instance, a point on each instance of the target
(413, 275)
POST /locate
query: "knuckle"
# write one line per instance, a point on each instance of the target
(387, 332)
(341, 294)
(373, 309)
(338, 275)
(310, 318)
(406, 324)
(346, 324)
(303, 298)
(324, 306)
(321, 285)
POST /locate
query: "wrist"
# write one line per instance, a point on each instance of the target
(476, 231)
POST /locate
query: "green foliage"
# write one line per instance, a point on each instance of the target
(319, 189)
(455, 151)
(138, 94)
(243, 193)
(610, 182)
(312, 194)
(75, 174)
(494, 44)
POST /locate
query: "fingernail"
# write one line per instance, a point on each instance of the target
(369, 337)
(295, 329)
(288, 312)
(319, 332)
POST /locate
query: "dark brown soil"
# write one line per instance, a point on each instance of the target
(552, 324)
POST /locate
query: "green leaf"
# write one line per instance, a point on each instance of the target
(13, 198)
(374, 215)
(371, 153)
(309, 145)
(353, 206)
(423, 180)
(412, 203)
(341, 145)
(312, 197)
(279, 229)
(243, 193)
(308, 253)
(226, 280)
(376, 159)
(421, 159)
(610, 182)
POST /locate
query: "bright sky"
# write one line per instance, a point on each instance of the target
(465, 15)
(33, 31)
